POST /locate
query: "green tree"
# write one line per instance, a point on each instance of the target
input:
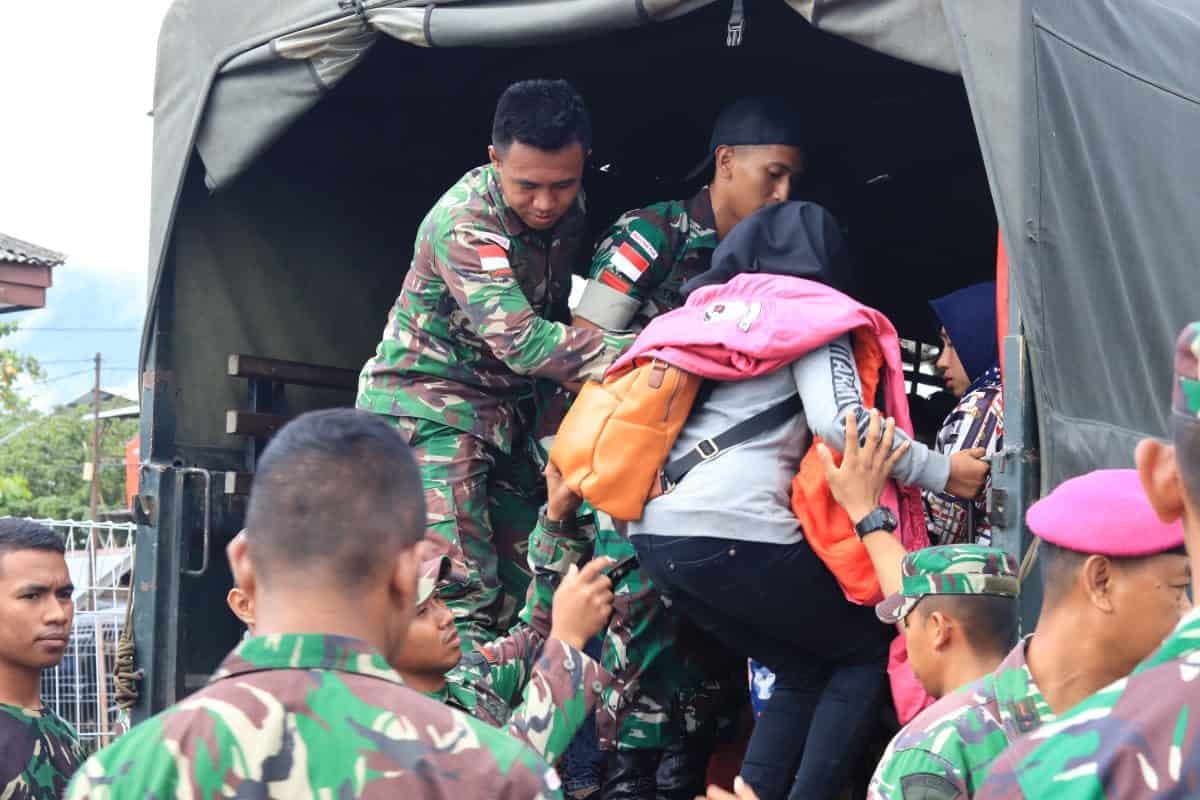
(13, 366)
(14, 490)
(46, 454)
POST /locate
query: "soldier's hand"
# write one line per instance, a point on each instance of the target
(967, 473)
(740, 792)
(561, 502)
(858, 483)
(582, 604)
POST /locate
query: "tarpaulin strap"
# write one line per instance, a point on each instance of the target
(736, 29)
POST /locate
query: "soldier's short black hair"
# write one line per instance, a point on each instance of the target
(337, 490)
(546, 114)
(22, 534)
(990, 622)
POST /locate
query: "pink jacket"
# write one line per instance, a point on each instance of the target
(757, 323)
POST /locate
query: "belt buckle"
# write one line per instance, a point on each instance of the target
(705, 455)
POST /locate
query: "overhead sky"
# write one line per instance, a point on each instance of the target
(75, 137)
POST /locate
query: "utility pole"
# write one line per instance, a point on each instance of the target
(95, 509)
(92, 548)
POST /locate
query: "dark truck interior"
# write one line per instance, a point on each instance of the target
(302, 256)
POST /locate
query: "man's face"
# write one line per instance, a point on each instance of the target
(540, 185)
(432, 646)
(922, 656)
(1149, 597)
(36, 608)
(951, 368)
(760, 175)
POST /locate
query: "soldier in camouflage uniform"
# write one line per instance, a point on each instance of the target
(1111, 573)
(643, 260)
(637, 272)
(1137, 737)
(965, 592)
(538, 684)
(38, 750)
(478, 329)
(310, 706)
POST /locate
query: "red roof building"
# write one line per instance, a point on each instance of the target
(25, 274)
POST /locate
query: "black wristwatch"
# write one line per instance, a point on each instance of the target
(556, 525)
(881, 519)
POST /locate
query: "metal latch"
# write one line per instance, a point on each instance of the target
(998, 507)
(736, 30)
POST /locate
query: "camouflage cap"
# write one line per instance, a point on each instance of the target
(1185, 407)
(433, 572)
(950, 569)
(1187, 372)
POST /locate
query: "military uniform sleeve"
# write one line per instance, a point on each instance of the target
(1002, 781)
(478, 275)
(633, 258)
(918, 774)
(550, 556)
(511, 660)
(533, 781)
(561, 691)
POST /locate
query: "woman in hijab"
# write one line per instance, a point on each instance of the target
(970, 368)
(724, 543)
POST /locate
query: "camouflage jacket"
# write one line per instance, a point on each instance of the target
(977, 421)
(39, 753)
(945, 752)
(540, 690)
(644, 259)
(1136, 738)
(481, 315)
(307, 715)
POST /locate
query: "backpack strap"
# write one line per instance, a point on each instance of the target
(745, 430)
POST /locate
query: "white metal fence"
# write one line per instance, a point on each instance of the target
(80, 689)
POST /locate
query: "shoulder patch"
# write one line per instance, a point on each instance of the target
(494, 238)
(927, 786)
(494, 260)
(644, 243)
(629, 262)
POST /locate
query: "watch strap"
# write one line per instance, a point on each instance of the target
(881, 519)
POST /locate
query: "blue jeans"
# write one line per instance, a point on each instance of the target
(780, 605)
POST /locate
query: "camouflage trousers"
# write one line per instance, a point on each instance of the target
(481, 503)
(659, 694)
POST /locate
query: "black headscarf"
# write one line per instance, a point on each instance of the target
(799, 239)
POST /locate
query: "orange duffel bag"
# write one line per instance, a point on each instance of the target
(617, 436)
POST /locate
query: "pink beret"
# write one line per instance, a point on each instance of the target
(1103, 512)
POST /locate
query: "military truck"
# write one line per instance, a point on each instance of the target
(297, 146)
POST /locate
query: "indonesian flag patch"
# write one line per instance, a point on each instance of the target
(494, 260)
(629, 262)
(614, 281)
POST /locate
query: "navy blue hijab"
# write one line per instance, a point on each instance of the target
(969, 317)
(797, 238)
